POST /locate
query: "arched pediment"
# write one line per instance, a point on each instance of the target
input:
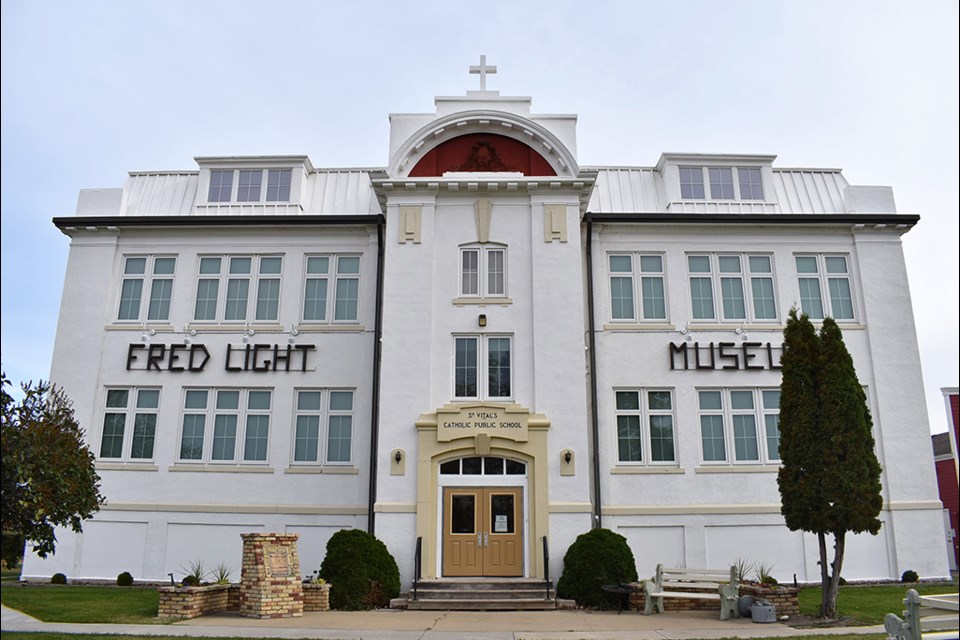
(482, 141)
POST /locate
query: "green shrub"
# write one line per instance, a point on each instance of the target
(360, 570)
(190, 581)
(594, 559)
(58, 578)
(124, 579)
(909, 576)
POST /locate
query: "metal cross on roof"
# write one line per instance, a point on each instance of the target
(483, 70)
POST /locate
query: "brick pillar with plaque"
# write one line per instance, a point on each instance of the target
(270, 582)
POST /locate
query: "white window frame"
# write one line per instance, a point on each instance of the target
(243, 412)
(337, 277)
(759, 413)
(481, 367)
(826, 277)
(149, 281)
(325, 415)
(717, 278)
(261, 284)
(275, 186)
(485, 271)
(691, 182)
(645, 414)
(638, 276)
(131, 413)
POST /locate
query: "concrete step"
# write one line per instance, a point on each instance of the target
(480, 594)
(454, 604)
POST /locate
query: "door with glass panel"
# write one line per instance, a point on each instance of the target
(482, 531)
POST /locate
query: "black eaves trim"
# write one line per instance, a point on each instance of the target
(218, 221)
(892, 219)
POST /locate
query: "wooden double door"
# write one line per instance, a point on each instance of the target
(483, 531)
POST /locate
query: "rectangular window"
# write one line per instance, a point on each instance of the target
(130, 424)
(623, 278)
(701, 287)
(278, 185)
(751, 185)
(226, 410)
(721, 183)
(306, 445)
(691, 183)
(771, 422)
(483, 271)
(221, 186)
(248, 187)
(645, 432)
(347, 288)
(315, 289)
(734, 416)
(819, 273)
(237, 300)
(140, 273)
(745, 283)
(479, 357)
(340, 427)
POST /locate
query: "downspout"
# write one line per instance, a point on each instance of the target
(375, 387)
(592, 345)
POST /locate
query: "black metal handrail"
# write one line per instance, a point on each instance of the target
(416, 566)
(546, 565)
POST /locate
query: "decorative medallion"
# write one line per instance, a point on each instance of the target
(483, 157)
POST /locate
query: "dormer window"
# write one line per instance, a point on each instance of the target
(726, 183)
(249, 185)
(221, 186)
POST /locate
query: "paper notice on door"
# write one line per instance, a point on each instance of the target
(500, 524)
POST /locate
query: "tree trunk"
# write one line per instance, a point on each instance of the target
(833, 587)
(824, 573)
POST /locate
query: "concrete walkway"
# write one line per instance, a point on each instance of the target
(389, 624)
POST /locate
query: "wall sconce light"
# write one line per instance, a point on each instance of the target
(397, 456)
(482, 320)
(567, 456)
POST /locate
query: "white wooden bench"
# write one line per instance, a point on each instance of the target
(925, 618)
(716, 584)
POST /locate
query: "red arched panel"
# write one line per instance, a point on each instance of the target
(482, 152)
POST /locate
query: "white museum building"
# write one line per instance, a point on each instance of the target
(483, 346)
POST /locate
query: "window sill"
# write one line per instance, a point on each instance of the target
(220, 468)
(330, 328)
(638, 326)
(126, 466)
(482, 302)
(740, 468)
(624, 470)
(140, 327)
(234, 327)
(347, 471)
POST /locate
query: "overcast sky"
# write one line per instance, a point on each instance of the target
(94, 89)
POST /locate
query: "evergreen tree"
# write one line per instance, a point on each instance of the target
(830, 478)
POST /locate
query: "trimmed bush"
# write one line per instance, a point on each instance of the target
(124, 579)
(596, 558)
(909, 576)
(360, 570)
(58, 578)
(190, 581)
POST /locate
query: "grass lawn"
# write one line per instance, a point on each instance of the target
(55, 603)
(868, 605)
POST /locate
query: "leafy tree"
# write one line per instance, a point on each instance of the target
(48, 476)
(830, 477)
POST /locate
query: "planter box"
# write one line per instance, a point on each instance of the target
(183, 603)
